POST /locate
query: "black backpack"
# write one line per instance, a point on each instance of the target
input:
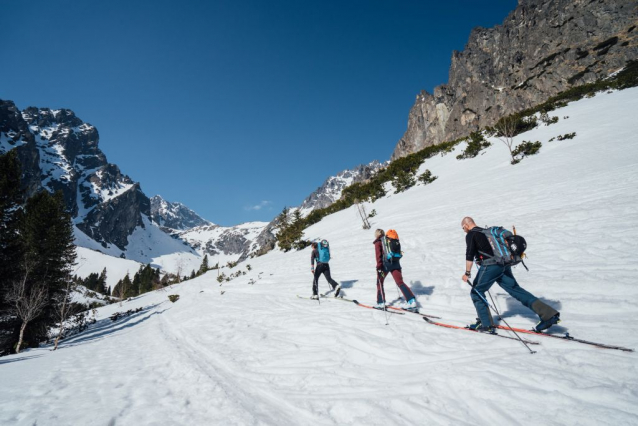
(391, 246)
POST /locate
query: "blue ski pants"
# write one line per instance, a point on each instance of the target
(502, 275)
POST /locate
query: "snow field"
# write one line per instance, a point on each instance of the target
(90, 261)
(258, 355)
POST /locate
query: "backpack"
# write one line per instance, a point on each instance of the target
(508, 248)
(324, 251)
(392, 246)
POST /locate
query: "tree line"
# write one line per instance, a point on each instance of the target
(36, 259)
(402, 171)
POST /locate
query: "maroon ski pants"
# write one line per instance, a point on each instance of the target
(398, 279)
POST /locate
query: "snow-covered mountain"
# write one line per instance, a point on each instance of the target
(240, 242)
(251, 352)
(111, 213)
(330, 191)
(223, 244)
(58, 151)
(175, 216)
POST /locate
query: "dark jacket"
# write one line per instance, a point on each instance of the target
(382, 262)
(476, 243)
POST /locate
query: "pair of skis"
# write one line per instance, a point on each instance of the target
(429, 319)
(567, 337)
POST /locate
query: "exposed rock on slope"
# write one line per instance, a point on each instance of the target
(542, 48)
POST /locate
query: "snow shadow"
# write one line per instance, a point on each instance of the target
(105, 326)
(16, 359)
(348, 284)
(419, 289)
(516, 308)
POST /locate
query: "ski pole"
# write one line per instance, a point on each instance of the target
(500, 317)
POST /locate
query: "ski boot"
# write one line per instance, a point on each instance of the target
(544, 325)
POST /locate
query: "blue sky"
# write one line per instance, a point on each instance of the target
(235, 108)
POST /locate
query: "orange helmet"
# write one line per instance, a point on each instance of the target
(392, 234)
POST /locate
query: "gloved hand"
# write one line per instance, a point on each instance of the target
(381, 272)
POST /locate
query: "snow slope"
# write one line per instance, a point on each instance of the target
(256, 354)
(148, 245)
(90, 261)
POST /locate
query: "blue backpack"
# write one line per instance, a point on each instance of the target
(324, 251)
(508, 248)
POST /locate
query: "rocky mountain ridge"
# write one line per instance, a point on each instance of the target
(175, 216)
(331, 189)
(542, 48)
(59, 152)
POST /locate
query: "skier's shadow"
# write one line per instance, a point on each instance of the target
(348, 284)
(516, 308)
(419, 289)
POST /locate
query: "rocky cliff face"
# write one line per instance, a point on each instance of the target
(59, 152)
(175, 216)
(542, 48)
(227, 243)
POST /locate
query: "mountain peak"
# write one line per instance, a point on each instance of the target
(175, 215)
(330, 191)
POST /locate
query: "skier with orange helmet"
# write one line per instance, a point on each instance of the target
(387, 254)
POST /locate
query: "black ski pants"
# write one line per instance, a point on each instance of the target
(322, 268)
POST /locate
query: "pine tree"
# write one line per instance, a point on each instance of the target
(102, 287)
(91, 282)
(11, 247)
(157, 279)
(204, 266)
(129, 291)
(117, 290)
(145, 278)
(137, 282)
(124, 289)
(46, 231)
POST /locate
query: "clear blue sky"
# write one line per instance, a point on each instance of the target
(230, 105)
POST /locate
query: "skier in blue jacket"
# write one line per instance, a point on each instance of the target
(321, 255)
